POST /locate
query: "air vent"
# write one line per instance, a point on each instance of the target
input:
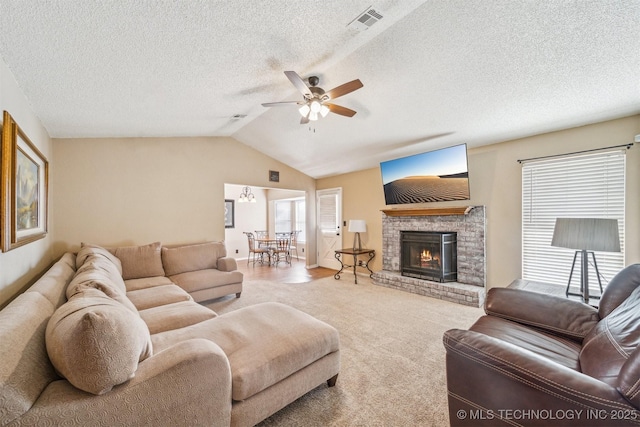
(366, 19)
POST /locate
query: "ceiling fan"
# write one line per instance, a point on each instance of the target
(316, 100)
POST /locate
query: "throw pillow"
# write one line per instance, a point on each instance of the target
(95, 342)
(200, 256)
(89, 250)
(100, 269)
(140, 261)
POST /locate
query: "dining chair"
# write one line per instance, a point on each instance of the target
(253, 250)
(262, 234)
(294, 242)
(281, 251)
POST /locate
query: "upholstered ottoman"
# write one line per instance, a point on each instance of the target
(276, 354)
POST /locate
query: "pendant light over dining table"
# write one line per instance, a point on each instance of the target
(246, 196)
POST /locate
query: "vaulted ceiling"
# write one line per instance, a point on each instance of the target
(435, 73)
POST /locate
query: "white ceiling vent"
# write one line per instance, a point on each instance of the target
(366, 19)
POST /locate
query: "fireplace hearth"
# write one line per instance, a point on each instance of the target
(469, 226)
(429, 255)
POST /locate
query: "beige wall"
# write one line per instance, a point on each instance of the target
(120, 191)
(495, 180)
(21, 266)
(362, 198)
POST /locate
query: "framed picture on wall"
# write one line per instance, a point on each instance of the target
(229, 214)
(25, 174)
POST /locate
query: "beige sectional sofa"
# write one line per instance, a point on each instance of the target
(108, 337)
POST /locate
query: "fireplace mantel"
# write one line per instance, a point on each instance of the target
(458, 210)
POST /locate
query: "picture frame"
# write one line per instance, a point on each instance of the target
(25, 185)
(274, 176)
(229, 213)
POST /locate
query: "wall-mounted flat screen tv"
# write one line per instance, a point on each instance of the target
(435, 176)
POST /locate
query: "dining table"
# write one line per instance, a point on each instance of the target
(270, 243)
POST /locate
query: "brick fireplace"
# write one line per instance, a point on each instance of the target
(466, 223)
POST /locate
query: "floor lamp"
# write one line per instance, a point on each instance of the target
(586, 235)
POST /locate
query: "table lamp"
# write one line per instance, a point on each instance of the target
(586, 235)
(357, 226)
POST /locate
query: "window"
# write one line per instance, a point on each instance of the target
(283, 216)
(290, 216)
(300, 219)
(580, 186)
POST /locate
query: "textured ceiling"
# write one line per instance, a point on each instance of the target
(435, 73)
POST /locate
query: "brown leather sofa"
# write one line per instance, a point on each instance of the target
(541, 360)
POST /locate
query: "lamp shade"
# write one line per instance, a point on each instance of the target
(593, 234)
(357, 226)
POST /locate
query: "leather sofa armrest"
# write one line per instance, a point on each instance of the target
(227, 264)
(188, 383)
(557, 315)
(510, 383)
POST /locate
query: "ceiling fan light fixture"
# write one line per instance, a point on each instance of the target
(304, 110)
(315, 106)
(324, 110)
(313, 115)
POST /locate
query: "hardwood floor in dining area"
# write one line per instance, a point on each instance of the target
(285, 273)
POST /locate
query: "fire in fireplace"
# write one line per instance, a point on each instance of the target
(429, 255)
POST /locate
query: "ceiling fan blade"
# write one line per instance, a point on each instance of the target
(344, 89)
(280, 104)
(304, 120)
(298, 83)
(343, 111)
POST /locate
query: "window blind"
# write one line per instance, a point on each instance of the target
(290, 216)
(580, 186)
(328, 212)
(283, 216)
(300, 220)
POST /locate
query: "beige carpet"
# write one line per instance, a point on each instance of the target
(392, 370)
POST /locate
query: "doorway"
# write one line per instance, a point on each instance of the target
(329, 220)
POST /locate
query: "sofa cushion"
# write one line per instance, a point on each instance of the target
(100, 273)
(105, 269)
(97, 269)
(157, 296)
(200, 256)
(140, 261)
(175, 316)
(87, 249)
(95, 342)
(608, 346)
(53, 284)
(193, 281)
(91, 280)
(146, 282)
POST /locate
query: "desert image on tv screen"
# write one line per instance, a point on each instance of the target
(436, 176)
